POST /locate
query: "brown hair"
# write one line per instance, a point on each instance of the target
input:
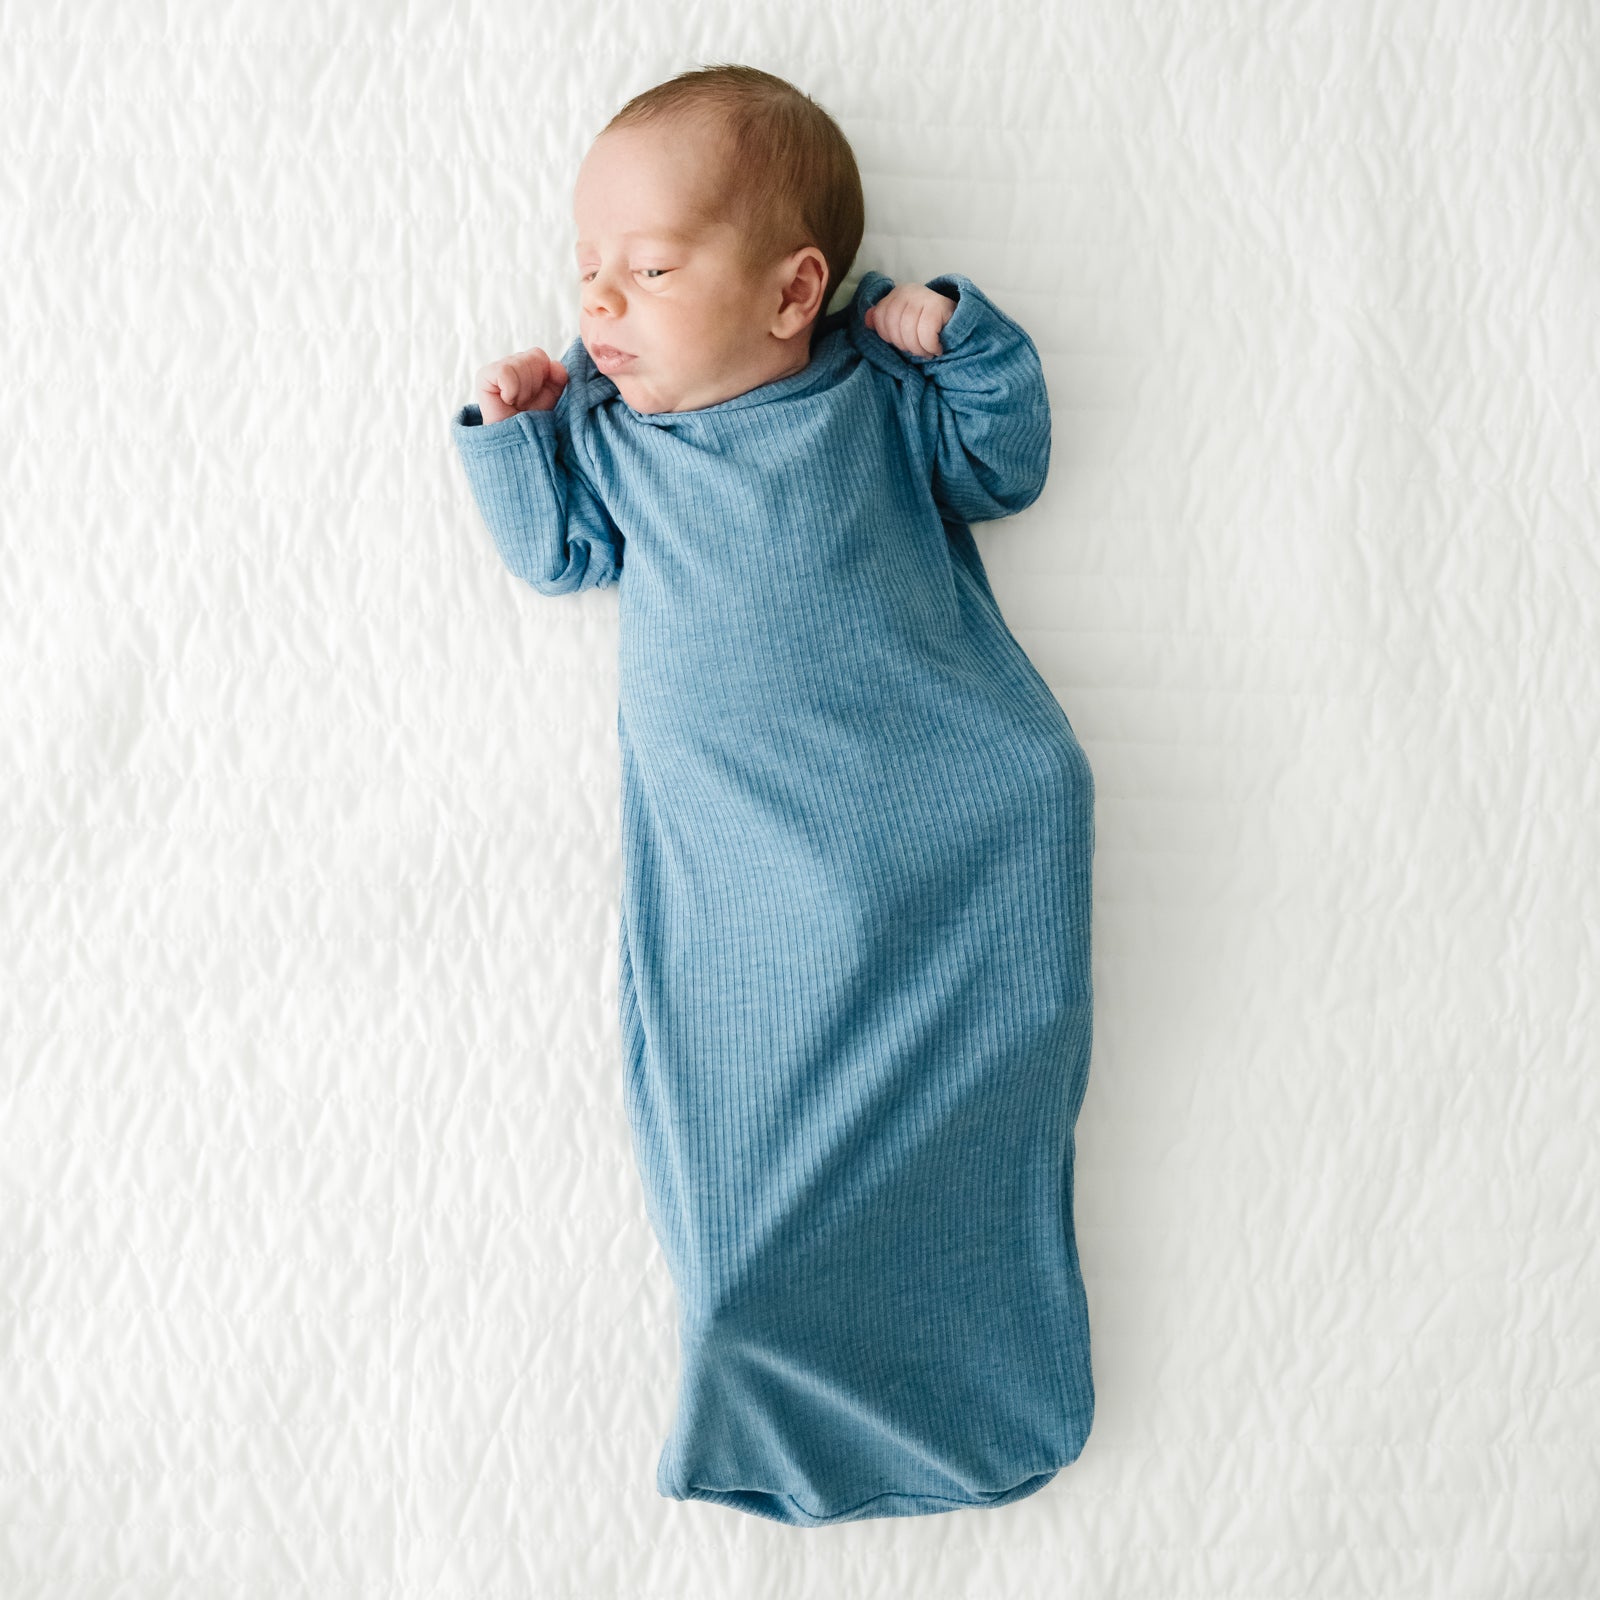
(789, 176)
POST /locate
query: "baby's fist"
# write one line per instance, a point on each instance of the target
(528, 381)
(910, 317)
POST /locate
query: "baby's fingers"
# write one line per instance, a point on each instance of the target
(906, 321)
(501, 378)
(550, 391)
(525, 377)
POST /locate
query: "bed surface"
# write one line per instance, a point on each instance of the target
(327, 1266)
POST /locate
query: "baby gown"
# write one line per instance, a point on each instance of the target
(855, 920)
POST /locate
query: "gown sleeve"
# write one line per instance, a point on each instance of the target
(549, 525)
(983, 409)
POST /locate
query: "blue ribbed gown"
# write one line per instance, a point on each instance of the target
(857, 839)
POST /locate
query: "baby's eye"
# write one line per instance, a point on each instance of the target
(584, 277)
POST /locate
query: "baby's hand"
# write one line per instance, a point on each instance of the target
(528, 381)
(910, 317)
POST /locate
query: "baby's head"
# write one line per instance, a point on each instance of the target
(717, 213)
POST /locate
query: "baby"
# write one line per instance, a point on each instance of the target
(679, 310)
(857, 827)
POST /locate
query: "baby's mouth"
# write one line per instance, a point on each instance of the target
(607, 355)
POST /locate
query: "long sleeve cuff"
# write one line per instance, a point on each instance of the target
(986, 419)
(474, 436)
(973, 309)
(547, 524)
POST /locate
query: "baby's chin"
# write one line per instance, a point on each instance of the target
(643, 396)
(684, 392)
(634, 393)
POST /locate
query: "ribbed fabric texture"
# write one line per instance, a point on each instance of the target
(855, 948)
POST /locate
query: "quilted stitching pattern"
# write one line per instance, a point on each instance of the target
(327, 1272)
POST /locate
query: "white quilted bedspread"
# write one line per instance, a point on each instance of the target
(327, 1271)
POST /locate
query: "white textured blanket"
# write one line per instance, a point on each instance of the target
(327, 1272)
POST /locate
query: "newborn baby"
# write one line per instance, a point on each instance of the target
(854, 972)
(674, 314)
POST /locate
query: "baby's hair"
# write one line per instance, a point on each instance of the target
(790, 177)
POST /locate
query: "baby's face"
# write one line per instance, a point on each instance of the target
(697, 325)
